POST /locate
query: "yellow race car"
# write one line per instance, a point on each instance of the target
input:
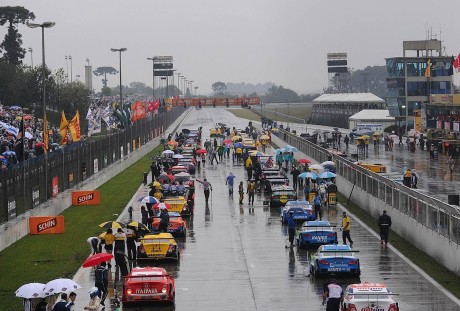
(158, 246)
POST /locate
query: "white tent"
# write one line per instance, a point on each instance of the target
(371, 117)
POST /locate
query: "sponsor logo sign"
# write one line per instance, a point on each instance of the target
(46, 224)
(86, 197)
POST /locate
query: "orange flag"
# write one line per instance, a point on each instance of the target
(74, 127)
(45, 133)
(63, 129)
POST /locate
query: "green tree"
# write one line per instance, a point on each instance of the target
(219, 87)
(279, 94)
(104, 71)
(13, 15)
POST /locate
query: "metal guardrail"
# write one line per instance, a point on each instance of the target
(440, 217)
(23, 186)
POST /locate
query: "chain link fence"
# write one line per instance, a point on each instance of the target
(26, 185)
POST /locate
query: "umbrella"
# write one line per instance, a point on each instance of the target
(15, 107)
(139, 226)
(178, 156)
(28, 135)
(264, 137)
(148, 199)
(274, 129)
(155, 184)
(96, 259)
(326, 175)
(291, 149)
(330, 168)
(31, 290)
(303, 161)
(27, 117)
(167, 177)
(227, 141)
(8, 153)
(327, 163)
(364, 137)
(279, 151)
(256, 153)
(236, 137)
(162, 205)
(40, 144)
(172, 142)
(182, 174)
(238, 145)
(308, 175)
(316, 167)
(167, 152)
(201, 151)
(59, 286)
(111, 224)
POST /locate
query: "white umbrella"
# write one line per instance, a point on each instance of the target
(316, 167)
(182, 174)
(59, 286)
(31, 290)
(178, 156)
(167, 152)
(328, 163)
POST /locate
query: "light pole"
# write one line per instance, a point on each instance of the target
(31, 51)
(43, 26)
(67, 68)
(195, 90)
(78, 77)
(191, 88)
(178, 88)
(71, 74)
(121, 96)
(153, 76)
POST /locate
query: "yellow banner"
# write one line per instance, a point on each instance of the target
(63, 129)
(74, 127)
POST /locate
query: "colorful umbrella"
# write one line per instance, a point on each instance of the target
(303, 161)
(178, 156)
(201, 151)
(167, 177)
(111, 224)
(326, 175)
(264, 137)
(148, 199)
(162, 205)
(96, 259)
(139, 226)
(328, 163)
(227, 141)
(167, 152)
(308, 175)
(316, 167)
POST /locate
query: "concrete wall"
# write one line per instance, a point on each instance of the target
(12, 231)
(437, 246)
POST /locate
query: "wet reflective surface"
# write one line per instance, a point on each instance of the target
(235, 257)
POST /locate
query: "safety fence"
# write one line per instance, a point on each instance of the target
(26, 185)
(443, 219)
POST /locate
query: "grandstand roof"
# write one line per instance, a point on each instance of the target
(349, 98)
(372, 115)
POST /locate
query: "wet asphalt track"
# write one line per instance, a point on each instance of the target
(234, 257)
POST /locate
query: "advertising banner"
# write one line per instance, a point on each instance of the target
(86, 197)
(55, 186)
(456, 126)
(46, 224)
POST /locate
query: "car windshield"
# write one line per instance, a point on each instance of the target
(296, 210)
(141, 279)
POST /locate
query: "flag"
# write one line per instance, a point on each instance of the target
(74, 127)
(19, 148)
(63, 127)
(45, 133)
(428, 68)
(457, 63)
(21, 129)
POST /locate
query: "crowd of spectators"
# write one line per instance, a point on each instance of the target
(445, 117)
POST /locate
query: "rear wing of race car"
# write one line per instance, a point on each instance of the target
(320, 226)
(339, 251)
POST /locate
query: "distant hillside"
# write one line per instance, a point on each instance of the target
(247, 88)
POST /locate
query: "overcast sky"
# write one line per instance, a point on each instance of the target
(253, 41)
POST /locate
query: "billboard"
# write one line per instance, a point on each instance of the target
(86, 197)
(46, 224)
(163, 66)
(164, 73)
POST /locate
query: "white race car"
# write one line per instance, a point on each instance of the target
(368, 297)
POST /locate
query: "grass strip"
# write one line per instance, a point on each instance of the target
(428, 264)
(41, 258)
(297, 112)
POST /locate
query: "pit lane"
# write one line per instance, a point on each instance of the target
(234, 257)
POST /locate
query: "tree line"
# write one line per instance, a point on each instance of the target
(22, 85)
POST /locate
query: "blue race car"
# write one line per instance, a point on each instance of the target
(300, 210)
(334, 259)
(316, 233)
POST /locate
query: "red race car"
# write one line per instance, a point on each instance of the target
(148, 284)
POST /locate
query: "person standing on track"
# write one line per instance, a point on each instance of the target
(241, 191)
(229, 182)
(291, 228)
(251, 191)
(346, 229)
(384, 225)
(207, 187)
(332, 295)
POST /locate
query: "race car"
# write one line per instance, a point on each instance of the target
(334, 259)
(158, 246)
(368, 296)
(176, 224)
(316, 233)
(300, 210)
(178, 204)
(148, 284)
(281, 195)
